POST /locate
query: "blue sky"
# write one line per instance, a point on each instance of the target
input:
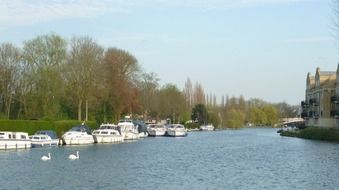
(255, 48)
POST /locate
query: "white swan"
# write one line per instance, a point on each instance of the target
(74, 157)
(45, 158)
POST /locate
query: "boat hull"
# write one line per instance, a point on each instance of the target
(6, 144)
(48, 143)
(77, 141)
(156, 133)
(131, 136)
(107, 139)
(176, 133)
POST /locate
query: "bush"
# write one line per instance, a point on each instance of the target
(315, 133)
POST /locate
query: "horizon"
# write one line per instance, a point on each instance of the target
(255, 48)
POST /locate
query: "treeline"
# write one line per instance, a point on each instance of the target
(50, 78)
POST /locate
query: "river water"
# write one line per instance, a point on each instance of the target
(232, 159)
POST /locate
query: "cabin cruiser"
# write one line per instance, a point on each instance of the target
(176, 130)
(78, 135)
(128, 130)
(14, 140)
(155, 130)
(107, 133)
(208, 127)
(44, 138)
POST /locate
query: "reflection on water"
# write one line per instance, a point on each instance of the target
(237, 159)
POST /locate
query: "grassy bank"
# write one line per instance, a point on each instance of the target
(315, 133)
(31, 126)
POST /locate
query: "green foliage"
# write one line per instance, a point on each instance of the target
(317, 133)
(214, 119)
(29, 126)
(236, 118)
(199, 114)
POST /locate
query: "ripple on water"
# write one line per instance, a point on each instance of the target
(239, 159)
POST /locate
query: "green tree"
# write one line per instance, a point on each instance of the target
(235, 118)
(82, 71)
(200, 114)
(44, 56)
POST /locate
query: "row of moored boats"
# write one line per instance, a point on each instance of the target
(107, 133)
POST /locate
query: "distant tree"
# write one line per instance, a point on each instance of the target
(200, 114)
(188, 92)
(148, 87)
(235, 118)
(199, 94)
(171, 103)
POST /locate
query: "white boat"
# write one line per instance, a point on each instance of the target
(208, 127)
(155, 130)
(78, 135)
(107, 133)
(44, 138)
(176, 130)
(128, 130)
(14, 140)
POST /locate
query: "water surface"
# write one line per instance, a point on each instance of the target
(233, 159)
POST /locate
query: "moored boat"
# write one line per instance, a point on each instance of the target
(14, 140)
(128, 130)
(78, 135)
(208, 127)
(155, 130)
(176, 130)
(107, 133)
(44, 138)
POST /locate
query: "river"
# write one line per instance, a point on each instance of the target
(233, 159)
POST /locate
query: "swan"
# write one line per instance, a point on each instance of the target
(45, 158)
(74, 157)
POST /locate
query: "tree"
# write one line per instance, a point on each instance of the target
(148, 88)
(121, 71)
(171, 103)
(44, 56)
(198, 94)
(235, 118)
(10, 59)
(82, 71)
(200, 114)
(188, 92)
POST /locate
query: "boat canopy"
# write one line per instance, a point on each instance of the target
(50, 133)
(82, 128)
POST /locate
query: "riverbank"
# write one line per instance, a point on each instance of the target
(314, 133)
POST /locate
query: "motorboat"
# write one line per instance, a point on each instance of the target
(107, 133)
(44, 138)
(80, 134)
(176, 130)
(155, 130)
(128, 130)
(208, 127)
(14, 140)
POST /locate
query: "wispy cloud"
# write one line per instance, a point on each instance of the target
(23, 12)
